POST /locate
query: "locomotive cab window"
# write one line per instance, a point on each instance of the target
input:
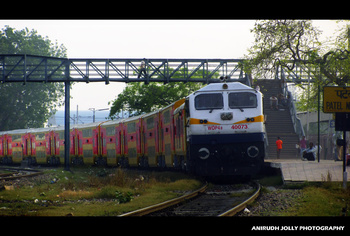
(242, 100)
(209, 101)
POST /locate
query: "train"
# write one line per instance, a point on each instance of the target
(218, 130)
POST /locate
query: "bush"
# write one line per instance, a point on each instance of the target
(123, 197)
(112, 193)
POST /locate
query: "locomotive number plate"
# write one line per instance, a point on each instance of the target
(239, 127)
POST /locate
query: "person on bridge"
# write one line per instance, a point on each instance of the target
(273, 102)
(143, 69)
(279, 147)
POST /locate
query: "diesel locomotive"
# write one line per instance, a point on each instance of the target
(216, 131)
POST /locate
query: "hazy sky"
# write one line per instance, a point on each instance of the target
(144, 39)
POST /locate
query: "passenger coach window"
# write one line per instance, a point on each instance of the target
(242, 100)
(209, 101)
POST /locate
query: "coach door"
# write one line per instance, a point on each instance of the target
(75, 143)
(28, 146)
(122, 141)
(50, 145)
(5, 145)
(52, 142)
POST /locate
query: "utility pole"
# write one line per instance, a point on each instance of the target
(318, 123)
(66, 126)
(94, 110)
(77, 114)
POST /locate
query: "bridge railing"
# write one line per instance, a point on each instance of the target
(30, 68)
(292, 77)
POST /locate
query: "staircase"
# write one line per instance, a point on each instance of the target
(278, 122)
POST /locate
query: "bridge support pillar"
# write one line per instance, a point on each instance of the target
(66, 120)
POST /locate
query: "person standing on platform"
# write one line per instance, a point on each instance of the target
(279, 147)
(303, 146)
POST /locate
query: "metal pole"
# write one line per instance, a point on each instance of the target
(66, 119)
(318, 124)
(345, 174)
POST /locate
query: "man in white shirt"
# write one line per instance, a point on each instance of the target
(310, 153)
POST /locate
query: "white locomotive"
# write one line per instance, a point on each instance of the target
(225, 130)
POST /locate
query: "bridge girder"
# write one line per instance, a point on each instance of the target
(30, 68)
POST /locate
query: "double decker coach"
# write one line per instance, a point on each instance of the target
(216, 131)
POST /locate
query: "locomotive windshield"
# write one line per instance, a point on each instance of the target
(209, 101)
(242, 100)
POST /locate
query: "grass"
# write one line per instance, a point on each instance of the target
(322, 199)
(318, 199)
(93, 192)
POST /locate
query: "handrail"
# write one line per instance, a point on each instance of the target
(298, 128)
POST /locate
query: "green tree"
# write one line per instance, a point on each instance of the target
(29, 105)
(280, 43)
(307, 99)
(332, 63)
(138, 98)
(286, 43)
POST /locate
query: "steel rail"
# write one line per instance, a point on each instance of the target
(243, 205)
(8, 176)
(166, 204)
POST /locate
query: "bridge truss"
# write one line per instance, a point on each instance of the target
(300, 73)
(29, 68)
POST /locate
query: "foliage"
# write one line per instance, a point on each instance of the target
(332, 66)
(92, 192)
(329, 65)
(138, 98)
(30, 105)
(307, 99)
(110, 192)
(327, 199)
(287, 43)
(279, 42)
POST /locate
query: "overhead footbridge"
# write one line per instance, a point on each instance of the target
(30, 68)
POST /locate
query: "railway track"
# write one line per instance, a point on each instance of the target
(216, 200)
(8, 173)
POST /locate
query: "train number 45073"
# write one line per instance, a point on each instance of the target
(239, 127)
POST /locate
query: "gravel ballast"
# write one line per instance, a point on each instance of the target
(273, 202)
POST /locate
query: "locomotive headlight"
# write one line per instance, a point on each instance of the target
(226, 115)
(203, 153)
(253, 151)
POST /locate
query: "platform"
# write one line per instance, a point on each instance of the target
(311, 171)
